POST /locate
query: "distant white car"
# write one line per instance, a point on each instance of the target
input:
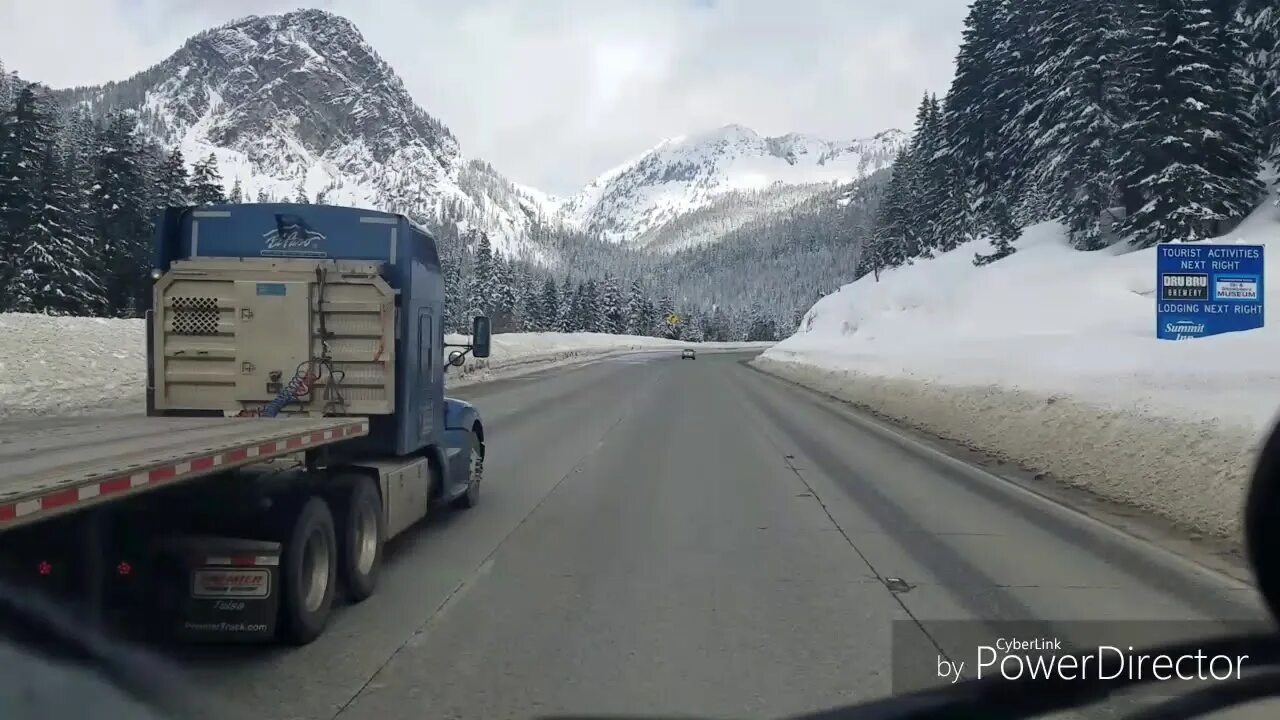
(689, 354)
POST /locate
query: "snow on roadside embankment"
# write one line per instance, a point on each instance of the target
(73, 365)
(1048, 358)
(70, 365)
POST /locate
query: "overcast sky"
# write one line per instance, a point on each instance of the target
(554, 92)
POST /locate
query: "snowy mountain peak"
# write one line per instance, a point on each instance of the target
(237, 37)
(733, 133)
(298, 103)
(686, 173)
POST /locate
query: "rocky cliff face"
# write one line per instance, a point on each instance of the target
(300, 103)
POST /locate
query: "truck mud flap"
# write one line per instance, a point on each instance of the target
(231, 591)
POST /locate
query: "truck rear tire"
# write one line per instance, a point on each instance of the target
(475, 452)
(361, 534)
(308, 570)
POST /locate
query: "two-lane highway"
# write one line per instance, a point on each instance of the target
(695, 538)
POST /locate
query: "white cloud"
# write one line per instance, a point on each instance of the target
(553, 92)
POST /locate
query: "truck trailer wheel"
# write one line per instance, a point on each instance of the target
(475, 453)
(308, 570)
(360, 537)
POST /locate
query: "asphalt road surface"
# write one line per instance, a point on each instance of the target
(697, 538)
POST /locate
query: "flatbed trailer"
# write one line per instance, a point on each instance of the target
(295, 422)
(211, 529)
(90, 461)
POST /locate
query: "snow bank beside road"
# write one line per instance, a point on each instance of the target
(70, 365)
(1048, 358)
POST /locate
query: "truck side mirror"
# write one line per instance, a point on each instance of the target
(480, 336)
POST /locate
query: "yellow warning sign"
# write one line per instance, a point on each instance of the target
(673, 319)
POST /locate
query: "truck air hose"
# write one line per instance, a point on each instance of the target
(299, 385)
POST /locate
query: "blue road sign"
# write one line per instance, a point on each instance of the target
(1204, 290)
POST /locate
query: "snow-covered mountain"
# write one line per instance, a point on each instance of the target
(687, 173)
(722, 215)
(301, 101)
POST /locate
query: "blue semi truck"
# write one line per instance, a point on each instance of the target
(295, 421)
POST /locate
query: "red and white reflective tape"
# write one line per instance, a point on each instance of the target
(243, 560)
(55, 499)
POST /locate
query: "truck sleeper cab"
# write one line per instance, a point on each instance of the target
(271, 314)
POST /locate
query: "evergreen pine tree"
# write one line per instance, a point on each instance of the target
(50, 272)
(975, 117)
(1188, 164)
(719, 328)
(646, 326)
(174, 182)
(890, 245)
(1269, 93)
(43, 253)
(1261, 20)
(78, 151)
(665, 310)
(1081, 117)
(121, 222)
(639, 321)
(548, 306)
(455, 299)
(26, 133)
(907, 224)
(695, 327)
(237, 192)
(513, 285)
(263, 197)
(1235, 156)
(301, 191)
(1018, 62)
(206, 182)
(592, 310)
(481, 298)
(577, 312)
(760, 326)
(927, 181)
(504, 295)
(956, 203)
(614, 314)
(565, 312)
(522, 289)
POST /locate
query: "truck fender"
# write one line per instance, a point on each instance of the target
(460, 418)
(459, 414)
